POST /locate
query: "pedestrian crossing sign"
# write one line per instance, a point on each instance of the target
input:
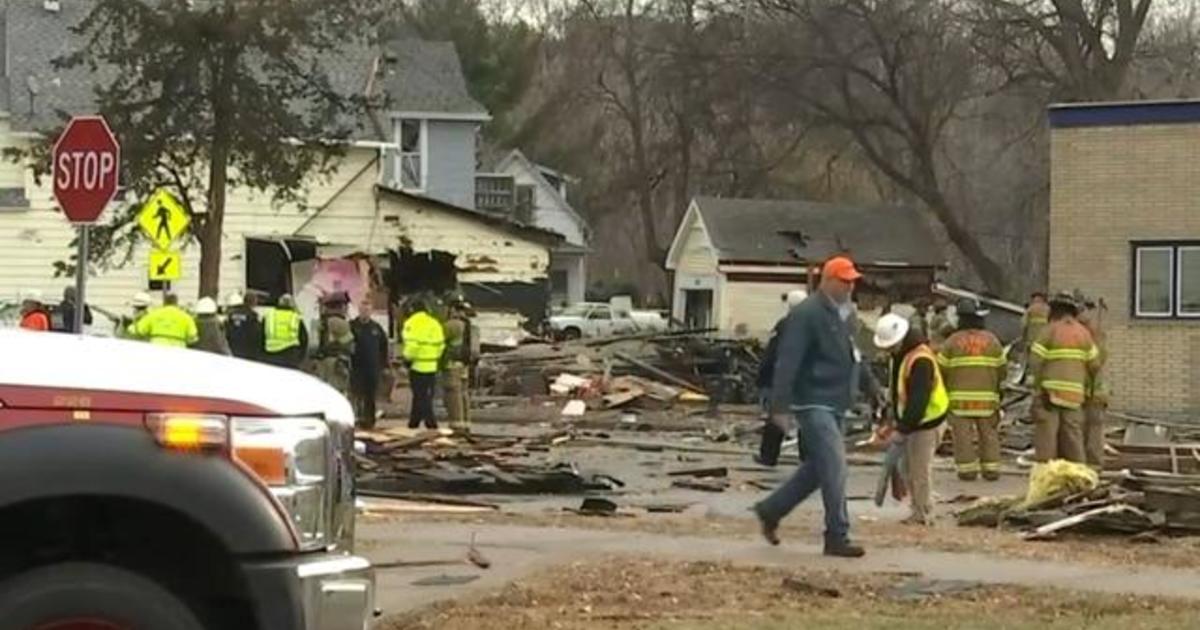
(165, 266)
(163, 219)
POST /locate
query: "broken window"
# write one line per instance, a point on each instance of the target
(410, 135)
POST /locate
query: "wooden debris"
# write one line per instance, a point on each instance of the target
(715, 471)
(705, 485)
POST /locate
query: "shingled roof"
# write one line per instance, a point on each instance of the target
(767, 231)
(423, 76)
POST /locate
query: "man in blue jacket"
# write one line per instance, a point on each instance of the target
(814, 374)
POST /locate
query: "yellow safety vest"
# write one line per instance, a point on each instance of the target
(167, 326)
(424, 343)
(939, 399)
(281, 330)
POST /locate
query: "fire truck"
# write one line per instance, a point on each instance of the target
(153, 488)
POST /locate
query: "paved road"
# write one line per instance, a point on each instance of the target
(517, 551)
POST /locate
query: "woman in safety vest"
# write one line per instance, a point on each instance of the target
(920, 403)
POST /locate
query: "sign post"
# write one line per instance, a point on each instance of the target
(86, 167)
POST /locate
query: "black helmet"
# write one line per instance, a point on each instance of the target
(968, 307)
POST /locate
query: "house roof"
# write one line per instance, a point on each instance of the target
(426, 77)
(1113, 114)
(775, 232)
(538, 173)
(548, 237)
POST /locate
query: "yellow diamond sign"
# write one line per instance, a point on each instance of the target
(163, 219)
(165, 266)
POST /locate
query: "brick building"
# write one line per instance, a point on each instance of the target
(1125, 226)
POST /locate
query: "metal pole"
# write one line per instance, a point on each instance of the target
(81, 265)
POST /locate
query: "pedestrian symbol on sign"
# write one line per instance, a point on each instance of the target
(163, 219)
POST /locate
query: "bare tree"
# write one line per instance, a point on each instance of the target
(893, 76)
(1081, 49)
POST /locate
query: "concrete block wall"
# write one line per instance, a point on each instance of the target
(1111, 186)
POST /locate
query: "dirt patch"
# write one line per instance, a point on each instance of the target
(634, 593)
(806, 527)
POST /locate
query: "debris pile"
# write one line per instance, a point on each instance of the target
(1135, 503)
(398, 464)
(649, 371)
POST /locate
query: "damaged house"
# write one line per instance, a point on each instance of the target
(735, 260)
(398, 216)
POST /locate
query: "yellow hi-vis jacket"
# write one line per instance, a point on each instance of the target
(973, 364)
(939, 400)
(167, 326)
(424, 342)
(281, 330)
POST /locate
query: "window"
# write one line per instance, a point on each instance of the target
(600, 312)
(410, 168)
(1166, 280)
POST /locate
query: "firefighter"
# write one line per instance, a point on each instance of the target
(285, 337)
(34, 315)
(458, 359)
(973, 363)
(335, 343)
(424, 342)
(1062, 361)
(167, 325)
(1096, 405)
(1037, 316)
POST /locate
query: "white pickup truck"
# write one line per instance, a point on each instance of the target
(599, 319)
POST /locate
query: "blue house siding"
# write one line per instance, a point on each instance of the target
(451, 162)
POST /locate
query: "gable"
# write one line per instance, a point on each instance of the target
(692, 249)
(517, 165)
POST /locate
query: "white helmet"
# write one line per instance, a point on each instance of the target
(141, 299)
(206, 306)
(31, 295)
(890, 331)
(794, 298)
(235, 299)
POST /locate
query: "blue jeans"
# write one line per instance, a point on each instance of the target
(824, 468)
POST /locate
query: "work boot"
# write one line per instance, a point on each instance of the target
(770, 527)
(845, 549)
(967, 476)
(991, 476)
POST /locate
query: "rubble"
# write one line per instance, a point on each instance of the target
(399, 467)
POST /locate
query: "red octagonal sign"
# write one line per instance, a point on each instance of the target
(86, 168)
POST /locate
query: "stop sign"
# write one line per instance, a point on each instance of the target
(86, 168)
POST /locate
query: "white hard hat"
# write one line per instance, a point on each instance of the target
(235, 299)
(142, 299)
(796, 297)
(890, 331)
(31, 295)
(206, 306)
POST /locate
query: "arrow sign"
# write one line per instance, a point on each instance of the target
(165, 266)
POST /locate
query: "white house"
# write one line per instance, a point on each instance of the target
(735, 260)
(390, 201)
(537, 195)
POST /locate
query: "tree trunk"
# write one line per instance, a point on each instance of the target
(218, 179)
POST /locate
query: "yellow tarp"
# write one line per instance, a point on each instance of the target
(1059, 476)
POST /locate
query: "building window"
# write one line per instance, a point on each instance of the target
(410, 168)
(1166, 280)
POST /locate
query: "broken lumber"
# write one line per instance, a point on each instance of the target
(657, 373)
(1041, 533)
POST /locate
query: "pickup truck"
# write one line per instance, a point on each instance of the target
(144, 487)
(597, 319)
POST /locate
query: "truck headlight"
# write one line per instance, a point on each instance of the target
(293, 457)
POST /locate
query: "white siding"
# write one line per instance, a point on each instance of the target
(697, 253)
(752, 308)
(32, 240)
(547, 213)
